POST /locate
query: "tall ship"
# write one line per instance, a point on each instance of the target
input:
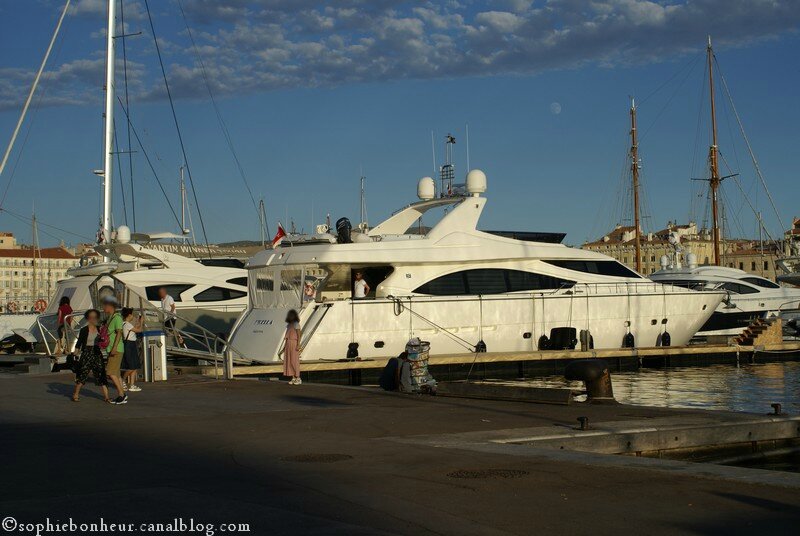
(461, 288)
(747, 297)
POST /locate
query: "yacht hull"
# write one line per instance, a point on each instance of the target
(505, 323)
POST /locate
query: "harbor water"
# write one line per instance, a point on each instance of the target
(747, 387)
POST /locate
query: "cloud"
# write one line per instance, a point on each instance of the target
(250, 46)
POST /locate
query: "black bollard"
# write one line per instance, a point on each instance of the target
(595, 375)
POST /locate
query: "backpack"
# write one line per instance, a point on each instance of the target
(103, 339)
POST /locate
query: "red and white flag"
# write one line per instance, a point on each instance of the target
(279, 236)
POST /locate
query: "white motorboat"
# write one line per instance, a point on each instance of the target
(749, 297)
(458, 287)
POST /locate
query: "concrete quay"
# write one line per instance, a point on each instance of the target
(324, 459)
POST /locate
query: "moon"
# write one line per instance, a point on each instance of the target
(555, 108)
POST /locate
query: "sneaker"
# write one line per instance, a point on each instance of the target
(134, 388)
(298, 381)
(121, 400)
(125, 387)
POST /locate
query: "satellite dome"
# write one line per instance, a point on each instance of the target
(476, 182)
(426, 189)
(123, 234)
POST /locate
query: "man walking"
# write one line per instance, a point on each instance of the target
(116, 347)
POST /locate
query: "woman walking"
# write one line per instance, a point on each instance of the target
(291, 348)
(91, 357)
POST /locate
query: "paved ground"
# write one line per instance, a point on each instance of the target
(222, 452)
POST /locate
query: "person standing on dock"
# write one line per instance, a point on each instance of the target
(291, 348)
(360, 287)
(91, 357)
(130, 358)
(64, 310)
(116, 347)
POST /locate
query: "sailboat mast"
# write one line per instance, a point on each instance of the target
(635, 177)
(712, 156)
(108, 166)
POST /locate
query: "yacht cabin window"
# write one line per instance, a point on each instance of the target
(173, 290)
(213, 294)
(609, 268)
(490, 281)
(738, 288)
(760, 282)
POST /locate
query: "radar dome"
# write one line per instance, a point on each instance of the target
(691, 260)
(476, 182)
(426, 189)
(664, 262)
(123, 234)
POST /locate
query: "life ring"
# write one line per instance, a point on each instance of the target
(40, 305)
(12, 307)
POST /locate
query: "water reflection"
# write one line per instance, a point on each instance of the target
(750, 388)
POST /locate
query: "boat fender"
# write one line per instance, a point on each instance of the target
(480, 347)
(587, 341)
(352, 350)
(595, 375)
(666, 339)
(544, 343)
(628, 341)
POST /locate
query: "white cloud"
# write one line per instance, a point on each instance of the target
(257, 45)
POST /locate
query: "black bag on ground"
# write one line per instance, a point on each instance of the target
(388, 379)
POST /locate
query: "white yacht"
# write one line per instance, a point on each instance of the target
(211, 292)
(748, 297)
(458, 287)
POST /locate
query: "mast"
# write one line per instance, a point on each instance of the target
(108, 166)
(712, 156)
(183, 205)
(635, 176)
(35, 247)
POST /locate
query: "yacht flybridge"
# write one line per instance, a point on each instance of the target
(458, 287)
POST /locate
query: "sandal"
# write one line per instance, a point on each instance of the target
(76, 398)
(107, 400)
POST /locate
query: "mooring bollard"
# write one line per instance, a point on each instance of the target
(596, 377)
(584, 423)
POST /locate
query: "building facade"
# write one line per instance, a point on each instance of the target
(28, 275)
(743, 254)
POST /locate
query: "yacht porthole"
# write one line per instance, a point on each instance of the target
(378, 344)
(653, 322)
(527, 335)
(704, 307)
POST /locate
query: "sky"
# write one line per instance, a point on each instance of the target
(313, 94)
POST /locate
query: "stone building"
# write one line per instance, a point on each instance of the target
(27, 276)
(736, 253)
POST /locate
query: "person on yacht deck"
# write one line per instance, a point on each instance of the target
(291, 348)
(168, 307)
(360, 287)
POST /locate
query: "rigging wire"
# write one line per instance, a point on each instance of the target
(127, 105)
(28, 220)
(670, 99)
(747, 143)
(177, 127)
(220, 119)
(149, 162)
(37, 106)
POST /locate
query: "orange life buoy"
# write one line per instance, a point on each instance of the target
(12, 306)
(40, 305)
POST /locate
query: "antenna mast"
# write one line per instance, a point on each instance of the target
(712, 156)
(363, 222)
(635, 176)
(448, 171)
(109, 123)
